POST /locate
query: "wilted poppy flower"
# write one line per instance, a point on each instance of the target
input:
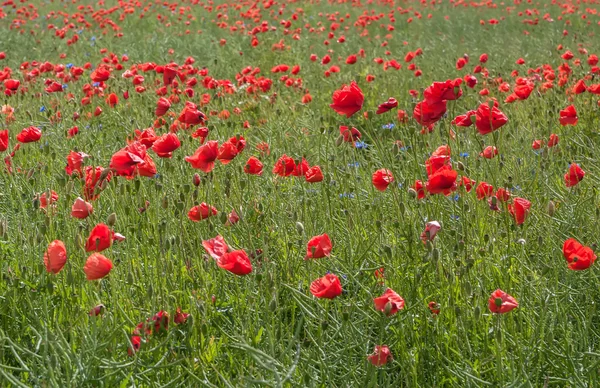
(327, 287)
(440, 91)
(162, 106)
(568, 116)
(488, 120)
(500, 302)
(180, 317)
(350, 135)
(442, 181)
(97, 266)
(489, 152)
(318, 247)
(81, 209)
(216, 246)
(382, 178)
(348, 100)
(553, 140)
(202, 211)
(205, 156)
(236, 262)
(165, 145)
(574, 176)
(431, 229)
(313, 174)
(100, 238)
(381, 355)
(428, 114)
(391, 103)
(519, 209)
(232, 218)
(29, 134)
(94, 178)
(578, 257)
(3, 140)
(253, 166)
(389, 303)
(55, 256)
(284, 166)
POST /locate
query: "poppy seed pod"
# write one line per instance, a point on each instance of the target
(551, 208)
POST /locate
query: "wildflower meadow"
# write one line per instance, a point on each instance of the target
(299, 193)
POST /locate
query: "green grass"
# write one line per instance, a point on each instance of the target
(266, 329)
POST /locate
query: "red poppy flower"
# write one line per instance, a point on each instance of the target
(436, 162)
(165, 145)
(191, 115)
(100, 238)
(418, 187)
(578, 257)
(318, 247)
(284, 166)
(227, 152)
(314, 174)
(216, 246)
(348, 100)
(434, 308)
(568, 116)
(464, 120)
(136, 343)
(467, 182)
(3, 140)
(94, 180)
(123, 162)
(253, 166)
(327, 287)
(519, 209)
(169, 74)
(488, 120)
(180, 317)
(442, 181)
(380, 356)
(500, 302)
(29, 135)
(12, 84)
(389, 298)
(537, 144)
(553, 140)
(202, 211)
(440, 91)
(236, 262)
(574, 176)
(382, 178)
(100, 75)
(74, 161)
(112, 100)
(55, 256)
(162, 106)
(349, 135)
(205, 156)
(502, 194)
(97, 266)
(429, 114)
(81, 209)
(484, 190)
(96, 311)
(45, 201)
(489, 152)
(391, 103)
(431, 229)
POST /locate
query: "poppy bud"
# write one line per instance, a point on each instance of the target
(2, 228)
(436, 254)
(477, 313)
(111, 220)
(165, 202)
(460, 166)
(104, 184)
(339, 141)
(299, 227)
(388, 308)
(324, 325)
(551, 208)
(196, 180)
(412, 192)
(36, 203)
(213, 299)
(273, 304)
(521, 241)
(79, 243)
(494, 201)
(345, 315)
(30, 173)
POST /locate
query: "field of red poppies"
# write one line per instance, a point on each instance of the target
(299, 193)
